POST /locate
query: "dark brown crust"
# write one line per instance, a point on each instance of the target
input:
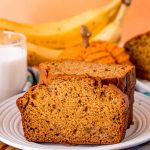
(22, 102)
(127, 85)
(137, 37)
(126, 112)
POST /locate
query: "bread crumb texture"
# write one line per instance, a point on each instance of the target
(74, 110)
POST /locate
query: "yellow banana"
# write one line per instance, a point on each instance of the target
(65, 33)
(112, 32)
(38, 54)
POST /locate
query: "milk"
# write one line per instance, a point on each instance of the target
(13, 70)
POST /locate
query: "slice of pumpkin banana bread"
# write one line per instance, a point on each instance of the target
(74, 110)
(123, 76)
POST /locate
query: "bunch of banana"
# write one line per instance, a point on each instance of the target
(48, 41)
(38, 54)
(65, 33)
(112, 32)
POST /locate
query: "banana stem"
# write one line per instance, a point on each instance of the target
(85, 33)
(127, 2)
(121, 14)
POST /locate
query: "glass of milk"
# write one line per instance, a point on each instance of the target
(13, 63)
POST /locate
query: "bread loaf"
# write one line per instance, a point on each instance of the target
(121, 76)
(139, 50)
(74, 109)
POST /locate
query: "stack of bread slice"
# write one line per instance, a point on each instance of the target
(79, 102)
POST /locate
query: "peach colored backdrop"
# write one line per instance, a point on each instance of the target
(38, 11)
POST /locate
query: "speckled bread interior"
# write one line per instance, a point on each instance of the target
(74, 110)
(122, 76)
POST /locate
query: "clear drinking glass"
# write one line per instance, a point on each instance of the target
(13, 63)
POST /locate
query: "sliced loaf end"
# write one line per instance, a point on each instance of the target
(74, 111)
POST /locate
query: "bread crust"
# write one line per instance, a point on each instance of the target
(138, 50)
(22, 102)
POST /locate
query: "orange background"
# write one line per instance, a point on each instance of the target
(38, 11)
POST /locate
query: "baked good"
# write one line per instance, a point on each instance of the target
(74, 109)
(98, 51)
(139, 50)
(121, 76)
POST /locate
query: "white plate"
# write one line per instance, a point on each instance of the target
(11, 130)
(143, 86)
